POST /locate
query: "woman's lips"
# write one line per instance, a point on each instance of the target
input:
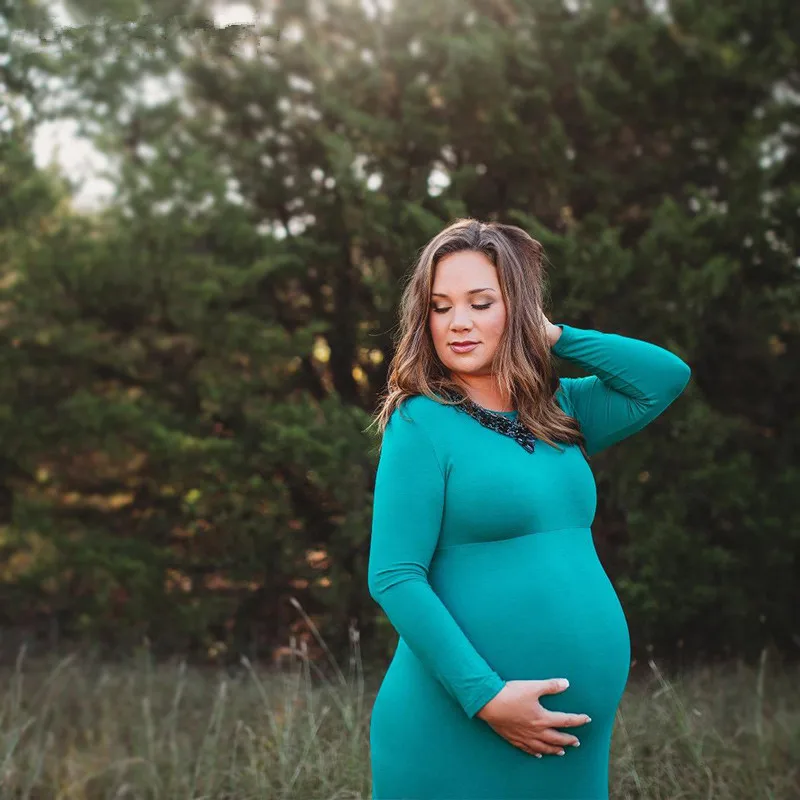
(464, 348)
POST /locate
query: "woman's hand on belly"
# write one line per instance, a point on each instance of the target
(517, 715)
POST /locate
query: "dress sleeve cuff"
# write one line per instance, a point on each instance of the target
(492, 688)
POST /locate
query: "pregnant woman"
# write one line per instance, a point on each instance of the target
(514, 649)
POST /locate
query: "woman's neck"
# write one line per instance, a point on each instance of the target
(482, 389)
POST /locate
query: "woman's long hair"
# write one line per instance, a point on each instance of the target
(523, 363)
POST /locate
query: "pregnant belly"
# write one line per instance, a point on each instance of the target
(541, 606)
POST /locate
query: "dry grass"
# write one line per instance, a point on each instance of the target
(75, 729)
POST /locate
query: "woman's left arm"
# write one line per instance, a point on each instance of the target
(631, 382)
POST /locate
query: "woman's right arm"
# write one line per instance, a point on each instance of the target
(406, 518)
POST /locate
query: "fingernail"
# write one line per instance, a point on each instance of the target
(576, 744)
(563, 683)
(538, 755)
(561, 752)
(588, 719)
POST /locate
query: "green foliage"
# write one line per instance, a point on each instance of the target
(187, 376)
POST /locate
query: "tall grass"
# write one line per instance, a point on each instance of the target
(79, 729)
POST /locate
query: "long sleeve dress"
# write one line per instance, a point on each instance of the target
(483, 560)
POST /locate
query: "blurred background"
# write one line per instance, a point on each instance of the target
(198, 294)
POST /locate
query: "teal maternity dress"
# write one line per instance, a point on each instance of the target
(482, 559)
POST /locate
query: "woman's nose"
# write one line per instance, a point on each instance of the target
(461, 320)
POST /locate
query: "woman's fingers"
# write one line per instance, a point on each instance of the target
(559, 719)
(545, 749)
(557, 739)
(551, 685)
(537, 748)
(547, 742)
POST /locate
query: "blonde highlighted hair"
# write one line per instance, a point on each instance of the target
(523, 363)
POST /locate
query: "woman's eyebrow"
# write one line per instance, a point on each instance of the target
(471, 291)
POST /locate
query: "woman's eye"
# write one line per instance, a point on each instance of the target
(447, 308)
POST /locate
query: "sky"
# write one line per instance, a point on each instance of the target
(77, 158)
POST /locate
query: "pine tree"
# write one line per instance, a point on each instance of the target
(201, 360)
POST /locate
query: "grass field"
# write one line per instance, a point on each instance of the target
(74, 728)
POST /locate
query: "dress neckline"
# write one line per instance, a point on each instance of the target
(492, 411)
(504, 422)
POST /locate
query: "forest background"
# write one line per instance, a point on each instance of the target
(187, 374)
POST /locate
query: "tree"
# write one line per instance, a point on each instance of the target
(205, 355)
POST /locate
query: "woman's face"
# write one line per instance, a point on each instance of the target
(466, 305)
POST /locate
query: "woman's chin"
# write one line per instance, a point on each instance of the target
(468, 367)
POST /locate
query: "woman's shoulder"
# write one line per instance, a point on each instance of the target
(427, 411)
(421, 409)
(562, 394)
(420, 412)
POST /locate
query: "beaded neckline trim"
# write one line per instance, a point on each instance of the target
(494, 421)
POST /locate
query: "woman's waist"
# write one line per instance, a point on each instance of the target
(545, 584)
(559, 548)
